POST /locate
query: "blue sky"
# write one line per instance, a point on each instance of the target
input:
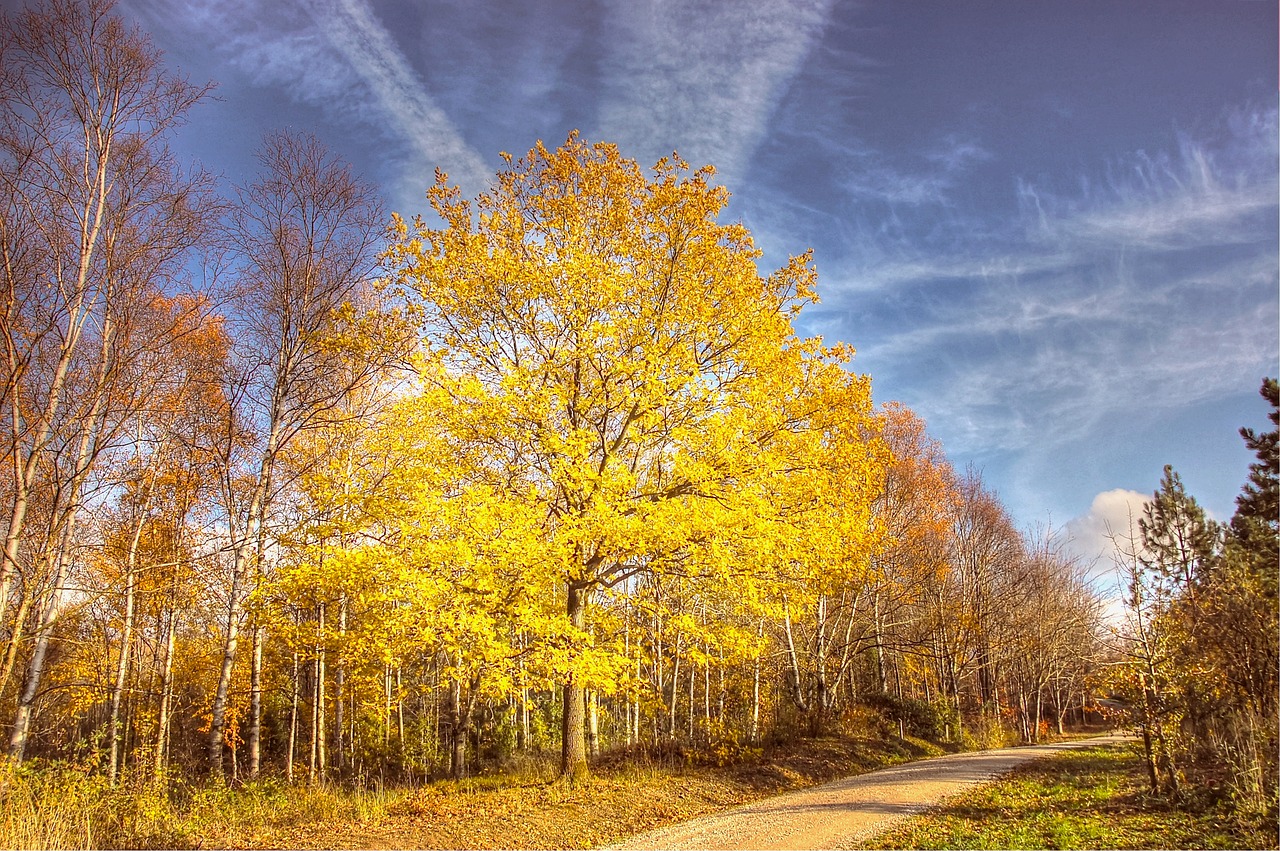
(1049, 228)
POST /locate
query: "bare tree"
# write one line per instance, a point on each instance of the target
(986, 549)
(306, 232)
(94, 216)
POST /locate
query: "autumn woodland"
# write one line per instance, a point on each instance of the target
(295, 487)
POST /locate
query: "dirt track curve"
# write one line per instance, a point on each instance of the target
(846, 812)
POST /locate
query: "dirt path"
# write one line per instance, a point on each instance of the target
(841, 814)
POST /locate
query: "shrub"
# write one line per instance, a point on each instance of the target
(919, 718)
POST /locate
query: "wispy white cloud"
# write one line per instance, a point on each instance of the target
(1013, 371)
(401, 99)
(338, 57)
(1197, 196)
(702, 77)
(1089, 304)
(868, 176)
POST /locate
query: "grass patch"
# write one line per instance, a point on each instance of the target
(60, 806)
(1091, 798)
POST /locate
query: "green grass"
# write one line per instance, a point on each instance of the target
(1091, 798)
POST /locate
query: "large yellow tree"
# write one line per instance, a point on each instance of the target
(613, 353)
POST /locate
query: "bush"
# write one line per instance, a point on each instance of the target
(919, 718)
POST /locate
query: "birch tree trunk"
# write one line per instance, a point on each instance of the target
(166, 693)
(122, 665)
(59, 551)
(340, 685)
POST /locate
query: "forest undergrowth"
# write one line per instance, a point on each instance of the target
(63, 805)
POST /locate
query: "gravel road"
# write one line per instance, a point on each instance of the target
(843, 813)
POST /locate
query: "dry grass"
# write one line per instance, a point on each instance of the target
(64, 807)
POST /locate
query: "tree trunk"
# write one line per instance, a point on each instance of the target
(675, 690)
(794, 674)
(322, 744)
(254, 740)
(60, 552)
(693, 680)
(122, 665)
(247, 548)
(706, 694)
(755, 687)
(658, 682)
(293, 719)
(231, 638)
(881, 674)
(386, 707)
(593, 722)
(340, 685)
(166, 693)
(573, 745)
(817, 719)
(458, 730)
(626, 654)
(317, 763)
(15, 639)
(35, 667)
(633, 736)
(522, 728)
(399, 711)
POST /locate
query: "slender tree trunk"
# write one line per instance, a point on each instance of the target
(316, 769)
(634, 737)
(35, 667)
(386, 707)
(246, 553)
(87, 450)
(322, 745)
(817, 720)
(313, 753)
(881, 675)
(399, 712)
(593, 722)
(340, 686)
(693, 703)
(675, 689)
(15, 639)
(254, 740)
(626, 653)
(1148, 748)
(522, 725)
(458, 729)
(755, 685)
(659, 682)
(122, 665)
(293, 719)
(722, 694)
(217, 723)
(126, 633)
(573, 746)
(797, 690)
(706, 693)
(166, 691)
(1024, 715)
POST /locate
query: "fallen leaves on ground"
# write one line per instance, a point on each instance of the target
(622, 798)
